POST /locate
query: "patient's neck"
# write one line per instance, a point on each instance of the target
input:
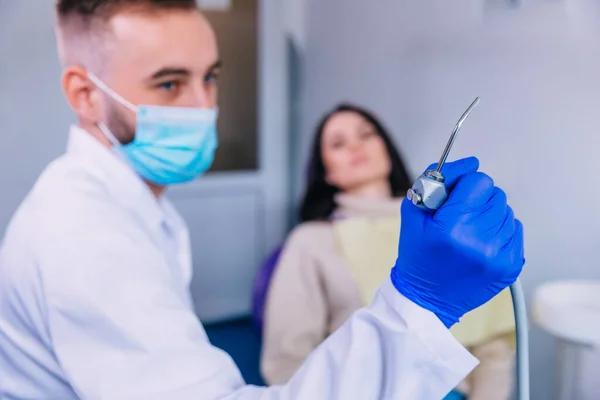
(374, 189)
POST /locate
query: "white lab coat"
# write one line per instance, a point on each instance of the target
(94, 305)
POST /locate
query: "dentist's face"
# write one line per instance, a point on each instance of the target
(153, 57)
(167, 58)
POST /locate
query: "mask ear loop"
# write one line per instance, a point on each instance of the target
(109, 134)
(115, 96)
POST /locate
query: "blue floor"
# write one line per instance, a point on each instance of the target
(239, 339)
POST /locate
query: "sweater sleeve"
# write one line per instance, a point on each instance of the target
(296, 312)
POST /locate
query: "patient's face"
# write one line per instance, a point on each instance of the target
(353, 153)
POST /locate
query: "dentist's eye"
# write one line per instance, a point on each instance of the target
(212, 77)
(169, 86)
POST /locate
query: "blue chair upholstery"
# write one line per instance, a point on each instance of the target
(239, 340)
(455, 395)
(261, 287)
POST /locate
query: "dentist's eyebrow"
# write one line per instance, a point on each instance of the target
(170, 72)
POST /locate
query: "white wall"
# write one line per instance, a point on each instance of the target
(419, 64)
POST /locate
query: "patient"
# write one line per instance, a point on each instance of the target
(333, 263)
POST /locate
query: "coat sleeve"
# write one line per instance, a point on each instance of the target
(121, 330)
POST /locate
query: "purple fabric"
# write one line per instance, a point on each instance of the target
(262, 282)
(261, 286)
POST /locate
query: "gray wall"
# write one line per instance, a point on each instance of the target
(34, 116)
(419, 64)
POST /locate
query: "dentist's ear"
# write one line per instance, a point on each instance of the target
(84, 98)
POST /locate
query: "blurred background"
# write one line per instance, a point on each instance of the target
(417, 64)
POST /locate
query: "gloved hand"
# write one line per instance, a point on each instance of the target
(457, 258)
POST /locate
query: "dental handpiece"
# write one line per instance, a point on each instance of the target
(429, 193)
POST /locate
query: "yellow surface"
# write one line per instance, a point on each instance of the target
(370, 246)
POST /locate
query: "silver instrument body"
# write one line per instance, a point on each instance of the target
(429, 192)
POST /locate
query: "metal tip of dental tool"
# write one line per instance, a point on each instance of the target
(454, 132)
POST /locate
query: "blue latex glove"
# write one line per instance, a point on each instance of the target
(457, 258)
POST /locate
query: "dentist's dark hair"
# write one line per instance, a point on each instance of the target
(319, 199)
(104, 9)
(82, 25)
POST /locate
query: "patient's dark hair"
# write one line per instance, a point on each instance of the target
(319, 202)
(104, 9)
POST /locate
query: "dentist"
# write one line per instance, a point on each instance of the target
(94, 267)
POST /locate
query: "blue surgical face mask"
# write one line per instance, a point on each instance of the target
(171, 144)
